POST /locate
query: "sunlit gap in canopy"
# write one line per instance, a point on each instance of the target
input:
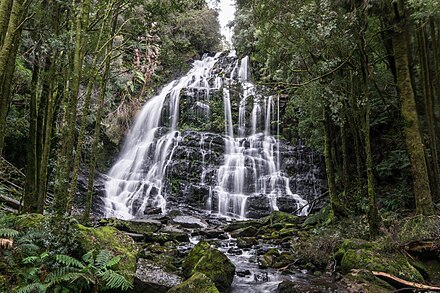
(226, 11)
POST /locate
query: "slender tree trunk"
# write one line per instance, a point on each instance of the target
(64, 160)
(8, 53)
(5, 13)
(345, 168)
(30, 198)
(413, 138)
(51, 93)
(335, 202)
(86, 109)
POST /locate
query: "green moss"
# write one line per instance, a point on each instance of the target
(211, 262)
(323, 216)
(113, 240)
(197, 283)
(372, 260)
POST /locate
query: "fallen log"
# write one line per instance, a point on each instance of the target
(422, 246)
(388, 277)
(13, 203)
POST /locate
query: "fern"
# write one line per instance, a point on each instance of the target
(69, 261)
(59, 275)
(88, 257)
(103, 257)
(114, 261)
(115, 280)
(31, 288)
(8, 233)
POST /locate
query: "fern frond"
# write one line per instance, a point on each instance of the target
(34, 287)
(8, 233)
(114, 280)
(69, 261)
(68, 277)
(30, 259)
(28, 247)
(103, 257)
(59, 275)
(88, 257)
(114, 261)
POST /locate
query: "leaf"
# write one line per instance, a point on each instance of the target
(114, 280)
(69, 261)
(34, 287)
(8, 233)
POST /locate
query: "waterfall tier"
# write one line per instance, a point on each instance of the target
(210, 139)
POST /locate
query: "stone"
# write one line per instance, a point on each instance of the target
(138, 226)
(243, 273)
(242, 224)
(212, 233)
(113, 240)
(213, 263)
(245, 232)
(197, 283)
(189, 222)
(246, 242)
(152, 278)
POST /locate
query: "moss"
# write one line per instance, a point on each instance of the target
(242, 224)
(418, 228)
(135, 226)
(323, 216)
(370, 283)
(372, 260)
(211, 262)
(197, 283)
(113, 240)
(282, 217)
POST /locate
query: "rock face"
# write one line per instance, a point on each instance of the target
(210, 262)
(153, 278)
(213, 140)
(197, 283)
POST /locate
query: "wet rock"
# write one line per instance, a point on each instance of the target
(258, 206)
(197, 283)
(212, 233)
(245, 232)
(242, 224)
(211, 262)
(136, 237)
(152, 211)
(235, 250)
(243, 273)
(246, 242)
(267, 260)
(138, 226)
(189, 222)
(152, 278)
(261, 277)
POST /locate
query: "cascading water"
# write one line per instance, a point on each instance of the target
(247, 172)
(136, 180)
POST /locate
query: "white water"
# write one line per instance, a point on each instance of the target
(130, 188)
(251, 164)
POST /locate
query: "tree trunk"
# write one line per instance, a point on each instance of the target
(67, 142)
(8, 53)
(5, 13)
(413, 138)
(335, 203)
(30, 197)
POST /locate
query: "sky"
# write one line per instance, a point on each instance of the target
(226, 9)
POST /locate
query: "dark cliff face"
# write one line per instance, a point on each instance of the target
(222, 151)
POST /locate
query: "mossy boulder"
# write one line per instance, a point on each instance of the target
(281, 217)
(139, 226)
(246, 242)
(243, 224)
(245, 232)
(323, 216)
(113, 240)
(197, 283)
(212, 263)
(376, 260)
(267, 260)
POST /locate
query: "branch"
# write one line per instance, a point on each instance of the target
(389, 277)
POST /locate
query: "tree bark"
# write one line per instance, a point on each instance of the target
(422, 191)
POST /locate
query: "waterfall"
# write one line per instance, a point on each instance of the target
(246, 173)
